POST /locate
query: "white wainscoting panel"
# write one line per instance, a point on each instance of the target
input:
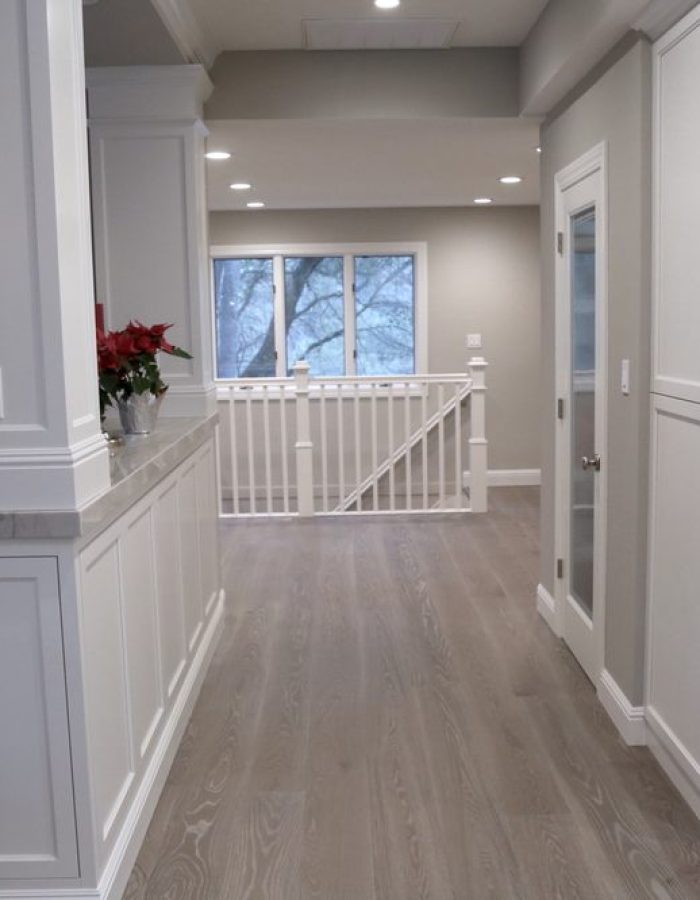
(171, 614)
(38, 838)
(189, 544)
(673, 679)
(677, 200)
(107, 706)
(141, 627)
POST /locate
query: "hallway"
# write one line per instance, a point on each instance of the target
(387, 718)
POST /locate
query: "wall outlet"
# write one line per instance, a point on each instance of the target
(474, 341)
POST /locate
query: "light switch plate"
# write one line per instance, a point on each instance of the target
(474, 341)
(625, 377)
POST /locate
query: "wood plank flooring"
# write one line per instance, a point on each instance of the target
(387, 718)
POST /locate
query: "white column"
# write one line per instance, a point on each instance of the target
(304, 446)
(52, 453)
(151, 243)
(478, 444)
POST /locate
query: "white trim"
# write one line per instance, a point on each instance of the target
(547, 608)
(674, 758)
(629, 720)
(591, 163)
(508, 478)
(417, 249)
(661, 15)
(123, 856)
(191, 40)
(661, 382)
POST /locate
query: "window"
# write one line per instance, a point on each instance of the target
(345, 310)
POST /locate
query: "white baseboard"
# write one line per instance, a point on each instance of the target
(547, 608)
(509, 477)
(629, 720)
(674, 758)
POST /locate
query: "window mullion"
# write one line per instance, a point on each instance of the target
(349, 309)
(279, 311)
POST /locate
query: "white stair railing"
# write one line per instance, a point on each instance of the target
(307, 446)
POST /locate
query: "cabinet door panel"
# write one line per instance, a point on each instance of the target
(37, 828)
(142, 643)
(189, 541)
(171, 616)
(208, 535)
(106, 682)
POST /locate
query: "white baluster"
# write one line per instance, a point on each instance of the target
(407, 439)
(324, 450)
(375, 462)
(424, 442)
(268, 447)
(458, 444)
(285, 461)
(251, 460)
(392, 473)
(304, 446)
(341, 449)
(478, 445)
(441, 445)
(358, 448)
(234, 450)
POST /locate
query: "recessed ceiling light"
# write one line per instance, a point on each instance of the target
(510, 179)
(538, 149)
(387, 4)
(241, 186)
(218, 154)
(482, 201)
(255, 204)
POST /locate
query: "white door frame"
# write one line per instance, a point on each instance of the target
(568, 617)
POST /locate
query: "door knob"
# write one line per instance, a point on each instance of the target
(591, 462)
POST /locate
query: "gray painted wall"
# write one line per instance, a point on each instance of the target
(484, 276)
(291, 84)
(127, 33)
(617, 109)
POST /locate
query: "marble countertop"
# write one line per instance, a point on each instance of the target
(135, 468)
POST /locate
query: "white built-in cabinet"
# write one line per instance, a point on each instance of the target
(102, 649)
(673, 646)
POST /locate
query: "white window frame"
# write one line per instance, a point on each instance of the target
(277, 252)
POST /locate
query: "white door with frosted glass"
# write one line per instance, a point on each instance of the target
(581, 408)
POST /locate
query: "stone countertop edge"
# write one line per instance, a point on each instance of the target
(135, 470)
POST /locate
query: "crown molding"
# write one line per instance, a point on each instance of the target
(660, 15)
(192, 41)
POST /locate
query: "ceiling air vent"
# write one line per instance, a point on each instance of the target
(378, 34)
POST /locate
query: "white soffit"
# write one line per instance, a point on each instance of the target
(378, 34)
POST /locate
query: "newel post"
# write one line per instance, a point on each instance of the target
(304, 446)
(478, 444)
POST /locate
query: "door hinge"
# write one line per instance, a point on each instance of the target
(277, 356)
(560, 408)
(354, 353)
(560, 568)
(560, 243)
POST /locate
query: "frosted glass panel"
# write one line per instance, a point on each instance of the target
(583, 299)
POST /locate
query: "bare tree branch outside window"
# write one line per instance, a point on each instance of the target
(314, 315)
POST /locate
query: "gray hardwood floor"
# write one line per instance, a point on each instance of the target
(387, 718)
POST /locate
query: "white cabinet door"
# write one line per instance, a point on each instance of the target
(37, 828)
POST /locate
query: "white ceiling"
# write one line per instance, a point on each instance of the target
(278, 24)
(312, 164)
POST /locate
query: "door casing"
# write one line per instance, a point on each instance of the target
(586, 642)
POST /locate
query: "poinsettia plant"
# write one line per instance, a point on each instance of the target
(127, 361)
